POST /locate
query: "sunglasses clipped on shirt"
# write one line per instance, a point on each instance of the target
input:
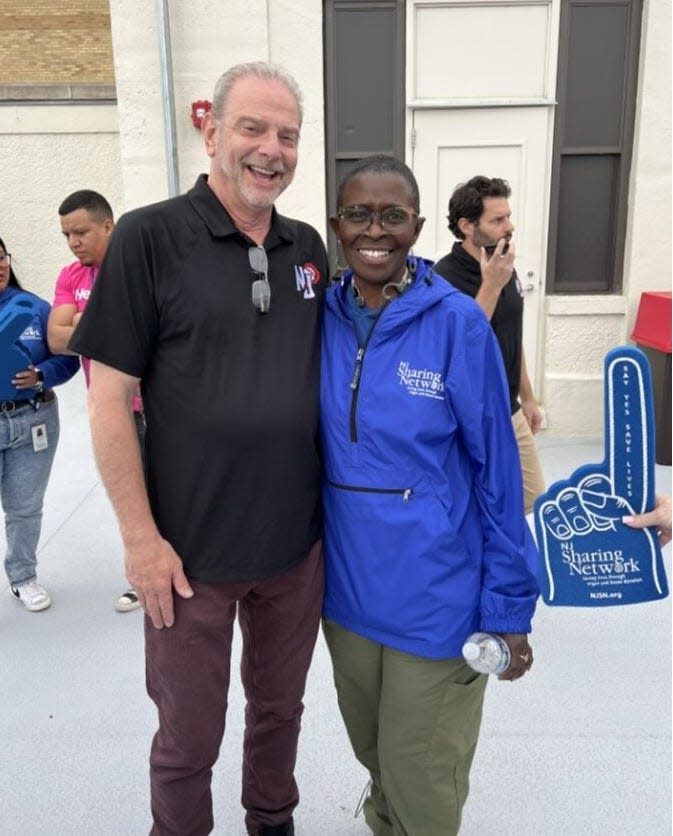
(261, 289)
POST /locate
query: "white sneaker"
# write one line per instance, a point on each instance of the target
(127, 602)
(33, 596)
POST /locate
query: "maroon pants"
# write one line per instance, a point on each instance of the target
(187, 668)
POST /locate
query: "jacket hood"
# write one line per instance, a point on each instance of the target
(427, 290)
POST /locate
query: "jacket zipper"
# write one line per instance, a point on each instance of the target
(357, 375)
(405, 493)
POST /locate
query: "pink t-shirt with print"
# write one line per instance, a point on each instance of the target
(73, 287)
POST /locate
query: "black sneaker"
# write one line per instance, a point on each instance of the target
(284, 829)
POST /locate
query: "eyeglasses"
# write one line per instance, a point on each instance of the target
(393, 218)
(261, 289)
(5, 258)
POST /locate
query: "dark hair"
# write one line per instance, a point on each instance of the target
(95, 204)
(381, 164)
(467, 200)
(260, 69)
(13, 281)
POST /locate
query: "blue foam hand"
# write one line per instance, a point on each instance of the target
(590, 558)
(15, 317)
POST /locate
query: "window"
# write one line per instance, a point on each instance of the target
(364, 81)
(596, 91)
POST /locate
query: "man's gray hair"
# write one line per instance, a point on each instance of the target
(260, 69)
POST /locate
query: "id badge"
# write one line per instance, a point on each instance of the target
(40, 441)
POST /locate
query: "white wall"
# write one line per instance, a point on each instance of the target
(207, 38)
(49, 151)
(648, 253)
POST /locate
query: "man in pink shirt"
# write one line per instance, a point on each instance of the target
(87, 223)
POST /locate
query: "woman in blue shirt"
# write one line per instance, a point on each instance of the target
(29, 427)
(425, 537)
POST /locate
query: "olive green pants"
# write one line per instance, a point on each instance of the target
(413, 723)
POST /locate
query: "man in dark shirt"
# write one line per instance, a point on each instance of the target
(481, 264)
(211, 301)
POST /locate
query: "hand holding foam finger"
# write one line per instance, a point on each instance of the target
(590, 557)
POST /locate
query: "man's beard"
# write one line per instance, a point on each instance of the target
(480, 239)
(255, 197)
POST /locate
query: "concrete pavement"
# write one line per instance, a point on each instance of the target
(580, 746)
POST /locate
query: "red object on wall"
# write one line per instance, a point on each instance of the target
(653, 321)
(199, 110)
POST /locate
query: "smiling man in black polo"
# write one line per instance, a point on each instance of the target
(227, 514)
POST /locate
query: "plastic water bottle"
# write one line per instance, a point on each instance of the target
(486, 653)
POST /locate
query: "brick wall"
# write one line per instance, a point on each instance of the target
(47, 42)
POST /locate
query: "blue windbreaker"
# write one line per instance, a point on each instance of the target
(23, 341)
(425, 536)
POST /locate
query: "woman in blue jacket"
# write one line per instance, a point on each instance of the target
(29, 427)
(425, 535)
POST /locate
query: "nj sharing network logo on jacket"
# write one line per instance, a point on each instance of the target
(422, 382)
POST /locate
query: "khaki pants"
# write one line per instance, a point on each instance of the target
(531, 470)
(413, 723)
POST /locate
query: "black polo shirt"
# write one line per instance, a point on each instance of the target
(464, 273)
(230, 395)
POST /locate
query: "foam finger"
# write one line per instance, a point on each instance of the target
(629, 430)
